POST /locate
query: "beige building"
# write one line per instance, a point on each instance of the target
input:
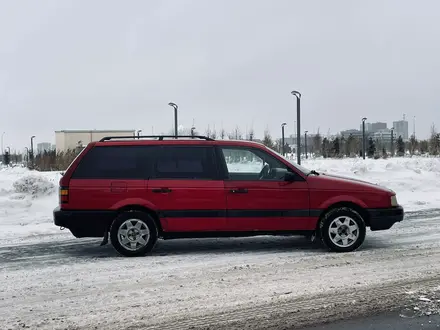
(71, 139)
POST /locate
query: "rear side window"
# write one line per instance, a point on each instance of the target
(186, 162)
(117, 162)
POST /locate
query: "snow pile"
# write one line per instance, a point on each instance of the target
(35, 185)
(27, 199)
(415, 180)
(424, 303)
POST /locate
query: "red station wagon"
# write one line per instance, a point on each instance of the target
(137, 190)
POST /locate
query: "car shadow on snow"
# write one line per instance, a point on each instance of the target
(260, 244)
(84, 250)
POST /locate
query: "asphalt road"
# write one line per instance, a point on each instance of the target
(384, 322)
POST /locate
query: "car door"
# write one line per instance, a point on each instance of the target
(258, 197)
(187, 190)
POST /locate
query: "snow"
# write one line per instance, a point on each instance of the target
(27, 199)
(415, 180)
(54, 281)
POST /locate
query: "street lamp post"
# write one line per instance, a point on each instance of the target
(139, 131)
(298, 125)
(171, 104)
(282, 139)
(363, 137)
(392, 142)
(31, 154)
(305, 142)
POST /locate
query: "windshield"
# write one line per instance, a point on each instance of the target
(298, 167)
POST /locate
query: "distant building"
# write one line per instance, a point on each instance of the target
(374, 127)
(354, 132)
(383, 135)
(401, 129)
(72, 139)
(378, 126)
(44, 146)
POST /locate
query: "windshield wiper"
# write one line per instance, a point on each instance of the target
(313, 172)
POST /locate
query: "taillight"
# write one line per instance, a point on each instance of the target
(64, 195)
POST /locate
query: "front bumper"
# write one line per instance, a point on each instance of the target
(84, 223)
(383, 219)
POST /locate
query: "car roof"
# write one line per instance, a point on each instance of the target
(135, 142)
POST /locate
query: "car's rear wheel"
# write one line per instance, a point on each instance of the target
(343, 230)
(133, 233)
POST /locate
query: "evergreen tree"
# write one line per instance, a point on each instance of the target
(325, 147)
(317, 143)
(413, 144)
(278, 146)
(350, 145)
(267, 140)
(336, 147)
(371, 150)
(400, 146)
(434, 142)
(342, 145)
(423, 146)
(6, 158)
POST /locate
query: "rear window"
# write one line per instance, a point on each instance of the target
(186, 162)
(116, 162)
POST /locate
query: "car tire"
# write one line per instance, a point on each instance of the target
(343, 230)
(133, 233)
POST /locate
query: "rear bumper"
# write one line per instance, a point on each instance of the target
(383, 219)
(84, 223)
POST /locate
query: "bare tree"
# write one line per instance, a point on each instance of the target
(208, 132)
(222, 133)
(251, 135)
(237, 135)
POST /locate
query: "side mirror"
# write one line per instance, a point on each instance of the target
(289, 177)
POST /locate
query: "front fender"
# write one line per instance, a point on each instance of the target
(341, 198)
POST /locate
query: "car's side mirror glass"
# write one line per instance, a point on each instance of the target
(289, 177)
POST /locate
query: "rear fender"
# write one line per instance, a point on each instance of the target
(134, 201)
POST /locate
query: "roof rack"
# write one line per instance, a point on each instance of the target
(159, 137)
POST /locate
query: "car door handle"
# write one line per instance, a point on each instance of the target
(161, 190)
(239, 191)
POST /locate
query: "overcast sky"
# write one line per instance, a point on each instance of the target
(107, 64)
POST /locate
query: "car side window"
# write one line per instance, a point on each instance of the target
(252, 164)
(186, 162)
(116, 162)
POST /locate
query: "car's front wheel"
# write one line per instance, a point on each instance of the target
(133, 233)
(343, 230)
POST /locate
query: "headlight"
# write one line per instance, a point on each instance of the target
(394, 201)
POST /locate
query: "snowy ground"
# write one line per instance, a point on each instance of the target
(55, 282)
